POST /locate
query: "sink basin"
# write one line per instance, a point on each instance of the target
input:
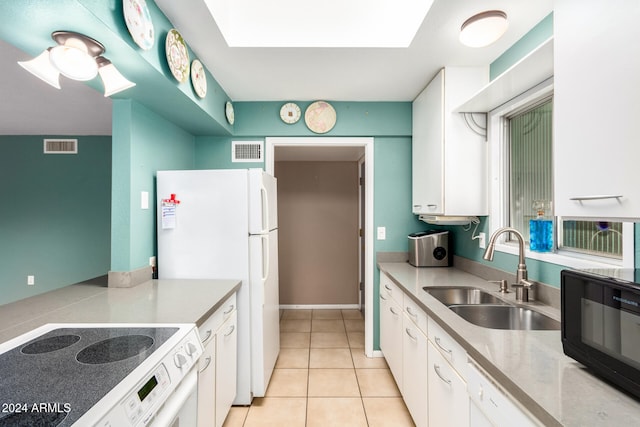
(455, 295)
(505, 317)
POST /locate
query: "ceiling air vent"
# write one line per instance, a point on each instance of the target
(247, 151)
(61, 146)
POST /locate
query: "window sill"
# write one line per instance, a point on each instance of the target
(561, 258)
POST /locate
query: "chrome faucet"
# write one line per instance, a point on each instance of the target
(521, 272)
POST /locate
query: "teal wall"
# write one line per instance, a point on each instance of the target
(538, 34)
(143, 143)
(54, 215)
(389, 123)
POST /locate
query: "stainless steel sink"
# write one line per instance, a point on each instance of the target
(455, 295)
(505, 317)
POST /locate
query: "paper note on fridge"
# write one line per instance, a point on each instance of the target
(168, 215)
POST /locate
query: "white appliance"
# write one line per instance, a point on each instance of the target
(101, 375)
(222, 224)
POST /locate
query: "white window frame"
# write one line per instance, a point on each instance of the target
(499, 196)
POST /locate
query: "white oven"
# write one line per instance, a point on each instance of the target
(102, 375)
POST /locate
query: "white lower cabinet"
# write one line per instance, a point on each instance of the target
(391, 335)
(490, 405)
(415, 368)
(217, 366)
(448, 398)
(226, 366)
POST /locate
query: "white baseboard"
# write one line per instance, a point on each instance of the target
(319, 307)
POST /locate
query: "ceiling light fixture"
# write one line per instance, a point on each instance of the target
(483, 28)
(77, 57)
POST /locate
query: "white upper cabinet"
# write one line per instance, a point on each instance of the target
(596, 108)
(449, 159)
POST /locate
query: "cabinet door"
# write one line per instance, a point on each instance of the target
(226, 365)
(391, 335)
(596, 106)
(415, 368)
(448, 399)
(427, 148)
(207, 385)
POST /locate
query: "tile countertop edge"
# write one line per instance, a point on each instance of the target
(517, 381)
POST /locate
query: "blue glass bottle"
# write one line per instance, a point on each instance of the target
(541, 235)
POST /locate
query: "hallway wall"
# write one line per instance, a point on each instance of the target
(318, 232)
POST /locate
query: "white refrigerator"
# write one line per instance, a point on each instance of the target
(222, 224)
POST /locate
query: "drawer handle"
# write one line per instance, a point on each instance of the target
(408, 331)
(207, 337)
(230, 309)
(393, 311)
(446, 350)
(382, 297)
(387, 287)
(233, 328)
(208, 360)
(410, 312)
(596, 197)
(437, 369)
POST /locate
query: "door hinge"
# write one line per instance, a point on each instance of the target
(360, 232)
(361, 285)
(361, 180)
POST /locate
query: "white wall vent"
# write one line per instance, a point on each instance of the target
(61, 146)
(247, 151)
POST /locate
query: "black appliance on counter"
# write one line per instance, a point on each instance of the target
(601, 323)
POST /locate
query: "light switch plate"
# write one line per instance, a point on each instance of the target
(382, 233)
(144, 200)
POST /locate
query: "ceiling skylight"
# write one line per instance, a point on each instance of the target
(314, 23)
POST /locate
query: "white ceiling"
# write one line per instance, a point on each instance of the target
(271, 74)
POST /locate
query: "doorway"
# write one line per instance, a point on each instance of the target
(361, 152)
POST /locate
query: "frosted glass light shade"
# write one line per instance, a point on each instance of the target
(113, 81)
(73, 62)
(41, 67)
(484, 28)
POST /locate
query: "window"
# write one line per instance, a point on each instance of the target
(522, 183)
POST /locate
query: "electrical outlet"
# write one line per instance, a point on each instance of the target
(152, 261)
(482, 240)
(31, 280)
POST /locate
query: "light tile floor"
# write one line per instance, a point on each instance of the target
(323, 378)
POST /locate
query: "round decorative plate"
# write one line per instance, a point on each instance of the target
(198, 78)
(290, 113)
(139, 24)
(228, 112)
(177, 56)
(320, 117)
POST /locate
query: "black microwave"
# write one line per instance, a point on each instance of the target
(601, 323)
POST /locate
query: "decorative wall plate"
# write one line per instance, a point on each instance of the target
(139, 24)
(228, 112)
(198, 78)
(320, 117)
(290, 113)
(177, 56)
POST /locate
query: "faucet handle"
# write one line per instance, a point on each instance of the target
(526, 283)
(504, 288)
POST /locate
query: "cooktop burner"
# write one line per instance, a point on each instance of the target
(53, 379)
(47, 345)
(115, 349)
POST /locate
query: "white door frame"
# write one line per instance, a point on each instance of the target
(367, 143)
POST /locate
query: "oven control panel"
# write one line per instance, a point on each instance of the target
(143, 401)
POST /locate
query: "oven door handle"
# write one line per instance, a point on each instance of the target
(173, 405)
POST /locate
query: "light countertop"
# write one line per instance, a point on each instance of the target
(155, 301)
(530, 365)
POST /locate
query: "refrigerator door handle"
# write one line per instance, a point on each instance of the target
(265, 208)
(265, 256)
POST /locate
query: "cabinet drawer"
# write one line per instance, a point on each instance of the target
(211, 325)
(389, 288)
(496, 405)
(415, 313)
(448, 347)
(447, 391)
